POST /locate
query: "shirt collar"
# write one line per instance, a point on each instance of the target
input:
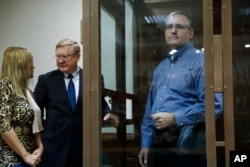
(75, 73)
(178, 53)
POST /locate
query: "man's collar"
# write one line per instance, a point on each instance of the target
(75, 73)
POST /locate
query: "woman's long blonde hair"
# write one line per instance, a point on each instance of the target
(16, 61)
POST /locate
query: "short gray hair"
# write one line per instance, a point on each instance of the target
(190, 22)
(68, 42)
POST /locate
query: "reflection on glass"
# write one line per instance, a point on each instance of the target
(173, 126)
(141, 42)
(241, 72)
(108, 49)
(129, 41)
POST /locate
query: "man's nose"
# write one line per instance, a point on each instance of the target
(173, 29)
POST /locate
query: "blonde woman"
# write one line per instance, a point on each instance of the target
(20, 121)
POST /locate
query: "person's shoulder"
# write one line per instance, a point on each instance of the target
(163, 61)
(195, 52)
(197, 58)
(50, 74)
(4, 83)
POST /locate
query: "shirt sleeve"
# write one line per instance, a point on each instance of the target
(196, 113)
(37, 122)
(105, 107)
(40, 93)
(147, 127)
(5, 107)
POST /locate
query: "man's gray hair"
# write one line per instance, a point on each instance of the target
(190, 22)
(67, 42)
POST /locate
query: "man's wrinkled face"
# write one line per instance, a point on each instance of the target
(67, 59)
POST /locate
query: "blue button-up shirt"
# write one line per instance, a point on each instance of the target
(178, 87)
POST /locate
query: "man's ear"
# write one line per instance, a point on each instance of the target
(191, 34)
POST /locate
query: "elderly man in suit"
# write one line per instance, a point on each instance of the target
(59, 92)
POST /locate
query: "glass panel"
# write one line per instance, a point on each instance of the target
(130, 33)
(136, 30)
(241, 72)
(108, 49)
(108, 70)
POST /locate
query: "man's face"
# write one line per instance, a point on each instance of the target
(67, 59)
(177, 32)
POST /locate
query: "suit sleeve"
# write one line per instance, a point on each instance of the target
(40, 93)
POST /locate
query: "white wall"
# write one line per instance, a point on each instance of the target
(38, 25)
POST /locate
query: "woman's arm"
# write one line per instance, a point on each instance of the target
(38, 145)
(14, 143)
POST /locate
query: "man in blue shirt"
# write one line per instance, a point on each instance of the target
(176, 100)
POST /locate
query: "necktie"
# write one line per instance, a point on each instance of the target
(71, 92)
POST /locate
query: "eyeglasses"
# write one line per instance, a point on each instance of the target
(64, 57)
(177, 26)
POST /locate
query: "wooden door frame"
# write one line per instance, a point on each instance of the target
(228, 78)
(215, 56)
(91, 81)
(90, 28)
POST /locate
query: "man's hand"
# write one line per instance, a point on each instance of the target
(143, 157)
(163, 119)
(113, 118)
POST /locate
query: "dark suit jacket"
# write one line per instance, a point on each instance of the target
(62, 135)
